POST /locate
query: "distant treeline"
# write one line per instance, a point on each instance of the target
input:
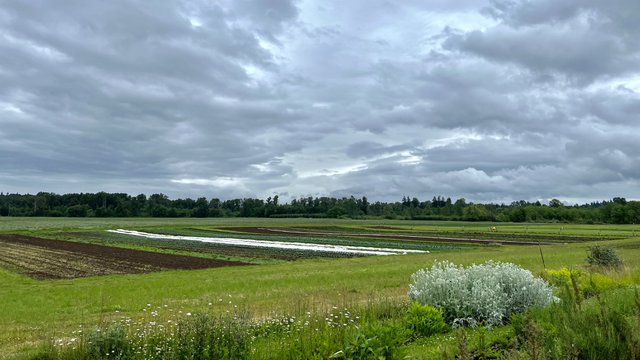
(102, 204)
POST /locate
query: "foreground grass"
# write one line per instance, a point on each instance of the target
(35, 311)
(603, 327)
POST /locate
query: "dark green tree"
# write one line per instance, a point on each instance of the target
(201, 208)
(555, 203)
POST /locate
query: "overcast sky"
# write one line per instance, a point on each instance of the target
(487, 100)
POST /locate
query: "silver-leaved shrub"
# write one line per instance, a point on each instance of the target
(487, 293)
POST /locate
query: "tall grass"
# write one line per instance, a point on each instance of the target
(605, 327)
(198, 336)
(370, 331)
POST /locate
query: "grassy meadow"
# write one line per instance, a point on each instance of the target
(39, 311)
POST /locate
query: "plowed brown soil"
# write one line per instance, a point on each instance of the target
(59, 259)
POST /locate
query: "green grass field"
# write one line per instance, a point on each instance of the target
(9, 224)
(39, 310)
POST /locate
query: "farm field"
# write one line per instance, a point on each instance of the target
(59, 274)
(58, 259)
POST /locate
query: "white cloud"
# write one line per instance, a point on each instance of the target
(221, 182)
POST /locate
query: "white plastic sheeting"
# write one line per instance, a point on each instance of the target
(344, 249)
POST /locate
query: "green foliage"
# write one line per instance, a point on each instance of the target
(561, 277)
(102, 204)
(473, 212)
(361, 332)
(78, 211)
(588, 284)
(480, 343)
(199, 337)
(603, 256)
(424, 320)
(111, 342)
(598, 284)
(46, 352)
(608, 327)
(374, 341)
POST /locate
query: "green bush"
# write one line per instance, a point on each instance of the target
(603, 256)
(424, 320)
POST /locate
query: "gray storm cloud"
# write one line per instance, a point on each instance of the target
(490, 101)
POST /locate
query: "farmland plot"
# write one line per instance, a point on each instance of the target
(56, 259)
(342, 249)
(340, 232)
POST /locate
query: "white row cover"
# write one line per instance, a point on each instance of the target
(361, 250)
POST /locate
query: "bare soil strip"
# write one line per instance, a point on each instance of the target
(273, 231)
(57, 259)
